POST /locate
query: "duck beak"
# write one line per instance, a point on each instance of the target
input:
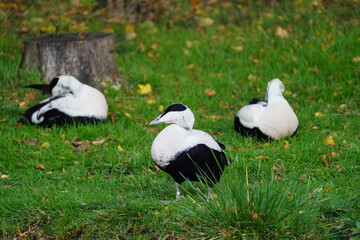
(156, 121)
(44, 88)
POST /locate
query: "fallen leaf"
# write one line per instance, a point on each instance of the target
(281, 32)
(120, 148)
(3, 176)
(63, 136)
(98, 142)
(30, 95)
(154, 46)
(142, 47)
(302, 177)
(161, 108)
(319, 114)
(329, 141)
(63, 170)
(23, 105)
(107, 30)
(287, 145)
(254, 216)
(130, 32)
(150, 102)
(144, 89)
(262, 157)
(32, 142)
(205, 22)
(342, 106)
(45, 145)
(2, 120)
(238, 48)
(356, 59)
(40, 166)
(210, 92)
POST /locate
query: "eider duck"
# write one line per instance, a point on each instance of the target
(71, 102)
(186, 153)
(270, 119)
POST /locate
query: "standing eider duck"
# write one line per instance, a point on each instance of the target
(273, 118)
(186, 153)
(71, 102)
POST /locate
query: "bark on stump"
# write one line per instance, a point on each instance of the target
(89, 57)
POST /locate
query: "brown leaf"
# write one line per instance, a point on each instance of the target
(45, 199)
(302, 177)
(32, 142)
(23, 105)
(210, 92)
(31, 95)
(40, 166)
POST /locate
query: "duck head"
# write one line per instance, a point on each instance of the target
(178, 114)
(274, 88)
(59, 85)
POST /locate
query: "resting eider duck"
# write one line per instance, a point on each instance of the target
(186, 153)
(71, 102)
(270, 119)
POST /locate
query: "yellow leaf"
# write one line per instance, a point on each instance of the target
(287, 145)
(281, 32)
(45, 145)
(120, 148)
(108, 30)
(262, 157)
(63, 170)
(144, 89)
(319, 114)
(130, 32)
(205, 22)
(329, 141)
(238, 48)
(150, 102)
(161, 108)
(189, 44)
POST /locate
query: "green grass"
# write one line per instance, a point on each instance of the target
(97, 191)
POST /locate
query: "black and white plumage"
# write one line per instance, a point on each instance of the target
(273, 118)
(71, 102)
(186, 153)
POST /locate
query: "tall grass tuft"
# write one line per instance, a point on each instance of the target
(267, 208)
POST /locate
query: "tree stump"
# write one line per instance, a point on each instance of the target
(89, 57)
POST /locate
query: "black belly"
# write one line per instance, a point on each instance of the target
(199, 163)
(253, 132)
(55, 116)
